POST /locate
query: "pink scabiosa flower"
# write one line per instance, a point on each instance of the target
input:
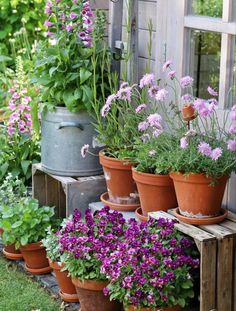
(186, 81)
(124, 85)
(147, 80)
(166, 65)
(232, 129)
(143, 126)
(110, 99)
(187, 97)
(157, 131)
(216, 153)
(140, 108)
(105, 109)
(204, 148)
(84, 150)
(231, 145)
(212, 92)
(172, 74)
(161, 95)
(233, 113)
(183, 142)
(152, 91)
(154, 119)
(125, 93)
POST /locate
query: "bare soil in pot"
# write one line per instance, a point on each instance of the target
(35, 258)
(199, 196)
(91, 296)
(67, 289)
(156, 192)
(120, 184)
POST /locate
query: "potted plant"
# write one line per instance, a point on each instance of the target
(71, 66)
(51, 243)
(151, 268)
(11, 190)
(84, 243)
(25, 223)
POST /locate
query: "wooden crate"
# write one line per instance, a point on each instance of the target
(65, 193)
(217, 247)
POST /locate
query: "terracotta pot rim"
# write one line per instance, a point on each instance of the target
(196, 177)
(36, 271)
(69, 297)
(114, 162)
(32, 246)
(139, 215)
(152, 179)
(12, 256)
(95, 285)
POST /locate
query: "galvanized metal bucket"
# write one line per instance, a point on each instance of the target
(63, 135)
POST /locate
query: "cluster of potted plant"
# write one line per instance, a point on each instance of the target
(115, 264)
(169, 140)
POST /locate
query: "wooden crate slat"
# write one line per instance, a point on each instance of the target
(218, 231)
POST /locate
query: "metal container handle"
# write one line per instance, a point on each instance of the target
(70, 124)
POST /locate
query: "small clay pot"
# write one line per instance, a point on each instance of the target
(10, 252)
(120, 184)
(35, 258)
(139, 215)
(188, 112)
(133, 308)
(91, 296)
(67, 289)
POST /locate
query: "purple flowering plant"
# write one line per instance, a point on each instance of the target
(85, 242)
(72, 63)
(152, 266)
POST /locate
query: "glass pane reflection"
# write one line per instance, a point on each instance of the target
(211, 8)
(205, 61)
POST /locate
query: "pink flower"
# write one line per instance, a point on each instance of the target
(216, 153)
(72, 15)
(172, 74)
(47, 23)
(105, 109)
(152, 91)
(157, 132)
(183, 142)
(187, 97)
(140, 108)
(211, 91)
(231, 145)
(166, 65)
(125, 93)
(69, 28)
(16, 95)
(26, 100)
(147, 80)
(186, 81)
(143, 126)
(10, 130)
(232, 129)
(154, 119)
(110, 99)
(233, 115)
(124, 85)
(50, 34)
(84, 150)
(161, 95)
(12, 104)
(204, 149)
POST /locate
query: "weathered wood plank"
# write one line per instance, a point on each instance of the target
(51, 187)
(38, 185)
(218, 231)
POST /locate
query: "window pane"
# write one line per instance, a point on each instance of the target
(211, 8)
(205, 61)
(232, 90)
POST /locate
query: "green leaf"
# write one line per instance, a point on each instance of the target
(4, 168)
(17, 224)
(84, 75)
(52, 70)
(24, 240)
(68, 98)
(25, 165)
(4, 58)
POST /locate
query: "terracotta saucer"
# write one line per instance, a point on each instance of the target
(116, 206)
(44, 270)
(201, 221)
(12, 256)
(69, 297)
(139, 215)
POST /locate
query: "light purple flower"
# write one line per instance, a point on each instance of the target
(166, 65)
(47, 23)
(232, 114)
(216, 153)
(152, 91)
(124, 85)
(154, 119)
(110, 99)
(49, 34)
(10, 130)
(204, 148)
(211, 91)
(143, 126)
(12, 104)
(84, 150)
(186, 81)
(88, 22)
(187, 97)
(157, 132)
(69, 28)
(147, 80)
(151, 153)
(105, 109)
(183, 142)
(125, 93)
(232, 129)
(231, 145)
(140, 108)
(161, 95)
(72, 15)
(16, 95)
(172, 74)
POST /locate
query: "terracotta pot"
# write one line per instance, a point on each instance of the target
(120, 184)
(10, 252)
(91, 296)
(1, 231)
(67, 289)
(133, 308)
(156, 192)
(199, 196)
(188, 112)
(35, 258)
(139, 215)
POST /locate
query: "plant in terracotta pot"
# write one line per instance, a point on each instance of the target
(84, 243)
(71, 67)
(25, 223)
(12, 190)
(151, 268)
(51, 243)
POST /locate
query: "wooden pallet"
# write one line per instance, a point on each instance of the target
(65, 193)
(217, 247)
